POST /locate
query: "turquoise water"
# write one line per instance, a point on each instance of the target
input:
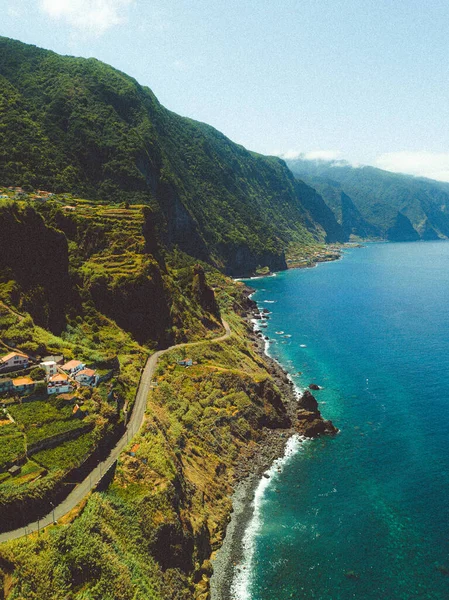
(365, 514)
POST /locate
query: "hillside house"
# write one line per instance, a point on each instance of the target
(14, 361)
(59, 384)
(57, 358)
(87, 377)
(23, 385)
(73, 366)
(50, 367)
(185, 362)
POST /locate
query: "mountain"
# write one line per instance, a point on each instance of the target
(77, 125)
(370, 202)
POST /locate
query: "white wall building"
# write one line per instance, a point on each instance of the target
(50, 368)
(59, 384)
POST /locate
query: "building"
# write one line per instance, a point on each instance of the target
(59, 384)
(14, 361)
(87, 377)
(185, 362)
(22, 385)
(58, 359)
(50, 367)
(72, 367)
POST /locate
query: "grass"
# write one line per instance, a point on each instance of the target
(12, 444)
(42, 419)
(68, 455)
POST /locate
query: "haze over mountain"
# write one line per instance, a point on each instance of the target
(373, 203)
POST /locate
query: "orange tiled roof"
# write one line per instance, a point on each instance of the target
(88, 372)
(11, 355)
(59, 377)
(22, 381)
(72, 364)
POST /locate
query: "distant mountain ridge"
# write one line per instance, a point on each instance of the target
(370, 202)
(78, 125)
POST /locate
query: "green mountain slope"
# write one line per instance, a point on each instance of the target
(378, 197)
(75, 125)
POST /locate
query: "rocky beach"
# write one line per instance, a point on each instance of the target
(305, 420)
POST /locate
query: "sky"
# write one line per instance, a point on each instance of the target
(361, 80)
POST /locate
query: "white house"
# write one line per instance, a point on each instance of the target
(87, 377)
(50, 368)
(59, 384)
(185, 362)
(73, 366)
(14, 360)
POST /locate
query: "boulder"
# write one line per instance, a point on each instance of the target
(308, 402)
(309, 422)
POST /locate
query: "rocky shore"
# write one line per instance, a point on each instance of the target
(305, 419)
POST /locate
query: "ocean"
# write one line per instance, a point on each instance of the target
(364, 514)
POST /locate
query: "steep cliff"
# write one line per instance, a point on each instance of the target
(379, 198)
(77, 125)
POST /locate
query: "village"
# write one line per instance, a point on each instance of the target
(46, 405)
(60, 377)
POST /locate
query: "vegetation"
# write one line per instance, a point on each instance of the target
(72, 125)
(44, 419)
(121, 258)
(12, 444)
(372, 203)
(150, 535)
(67, 455)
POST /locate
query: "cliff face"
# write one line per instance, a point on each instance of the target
(35, 257)
(97, 133)
(151, 534)
(101, 260)
(402, 230)
(382, 202)
(138, 302)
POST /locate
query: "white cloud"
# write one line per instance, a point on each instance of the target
(434, 165)
(312, 155)
(91, 16)
(322, 155)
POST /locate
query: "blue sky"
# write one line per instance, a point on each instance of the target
(364, 80)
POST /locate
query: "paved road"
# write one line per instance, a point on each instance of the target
(81, 490)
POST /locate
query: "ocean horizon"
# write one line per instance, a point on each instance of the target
(363, 514)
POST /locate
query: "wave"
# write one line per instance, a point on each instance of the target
(241, 585)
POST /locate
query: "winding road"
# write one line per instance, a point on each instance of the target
(136, 420)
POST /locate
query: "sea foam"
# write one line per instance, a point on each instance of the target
(241, 585)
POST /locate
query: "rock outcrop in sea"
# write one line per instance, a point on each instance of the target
(310, 422)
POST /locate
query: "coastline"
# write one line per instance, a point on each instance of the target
(228, 558)
(249, 474)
